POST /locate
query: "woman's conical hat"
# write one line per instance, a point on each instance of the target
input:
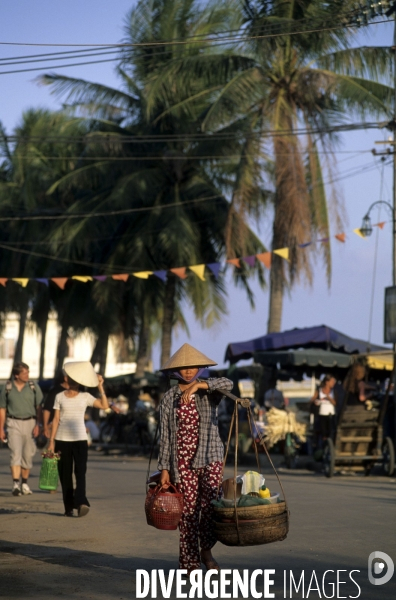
(187, 356)
(82, 372)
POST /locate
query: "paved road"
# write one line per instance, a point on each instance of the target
(335, 524)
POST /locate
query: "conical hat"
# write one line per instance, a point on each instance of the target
(81, 372)
(187, 356)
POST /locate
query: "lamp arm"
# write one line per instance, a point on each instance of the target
(379, 202)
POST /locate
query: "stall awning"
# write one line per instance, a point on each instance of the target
(322, 337)
(300, 358)
(380, 361)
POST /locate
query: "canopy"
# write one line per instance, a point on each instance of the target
(380, 361)
(299, 358)
(308, 337)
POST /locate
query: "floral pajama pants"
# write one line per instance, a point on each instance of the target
(199, 487)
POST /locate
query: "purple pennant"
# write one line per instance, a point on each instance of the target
(161, 275)
(304, 245)
(100, 277)
(250, 260)
(324, 240)
(215, 268)
(45, 281)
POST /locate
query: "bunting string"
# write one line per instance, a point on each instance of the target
(199, 270)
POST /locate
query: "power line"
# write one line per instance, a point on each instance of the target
(69, 216)
(109, 213)
(203, 38)
(65, 260)
(191, 137)
(148, 157)
(178, 43)
(35, 60)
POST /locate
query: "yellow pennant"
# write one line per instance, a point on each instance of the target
(283, 252)
(199, 271)
(83, 278)
(23, 281)
(359, 233)
(143, 274)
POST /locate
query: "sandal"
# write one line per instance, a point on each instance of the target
(210, 563)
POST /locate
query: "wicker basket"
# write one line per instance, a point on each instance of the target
(249, 513)
(164, 508)
(265, 530)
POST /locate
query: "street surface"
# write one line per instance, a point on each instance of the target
(335, 524)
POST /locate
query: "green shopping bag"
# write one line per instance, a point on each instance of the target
(49, 476)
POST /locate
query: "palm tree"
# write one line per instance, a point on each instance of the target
(164, 170)
(30, 165)
(283, 84)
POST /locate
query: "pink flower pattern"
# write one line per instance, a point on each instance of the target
(199, 487)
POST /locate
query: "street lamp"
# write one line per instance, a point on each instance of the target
(367, 229)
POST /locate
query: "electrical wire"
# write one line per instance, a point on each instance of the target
(177, 43)
(215, 36)
(69, 216)
(67, 260)
(193, 137)
(109, 213)
(148, 157)
(35, 60)
(209, 38)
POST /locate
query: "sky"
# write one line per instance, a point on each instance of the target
(361, 269)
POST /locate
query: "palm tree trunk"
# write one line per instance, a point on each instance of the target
(21, 334)
(168, 319)
(276, 295)
(99, 353)
(43, 331)
(62, 349)
(143, 349)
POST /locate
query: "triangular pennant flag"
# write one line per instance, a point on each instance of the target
(83, 278)
(324, 240)
(142, 274)
(250, 260)
(340, 237)
(180, 272)
(199, 271)
(45, 281)
(100, 277)
(3, 281)
(235, 261)
(23, 281)
(215, 268)
(305, 245)
(122, 277)
(60, 281)
(161, 275)
(283, 252)
(359, 233)
(265, 258)
(380, 225)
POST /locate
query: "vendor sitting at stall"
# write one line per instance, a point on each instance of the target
(358, 391)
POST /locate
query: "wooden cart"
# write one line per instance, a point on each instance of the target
(359, 442)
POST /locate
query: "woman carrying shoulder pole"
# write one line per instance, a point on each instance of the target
(191, 451)
(69, 436)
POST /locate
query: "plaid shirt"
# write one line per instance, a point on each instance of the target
(210, 447)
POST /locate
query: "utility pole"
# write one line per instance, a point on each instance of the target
(394, 201)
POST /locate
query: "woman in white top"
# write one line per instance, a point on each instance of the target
(326, 402)
(69, 437)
